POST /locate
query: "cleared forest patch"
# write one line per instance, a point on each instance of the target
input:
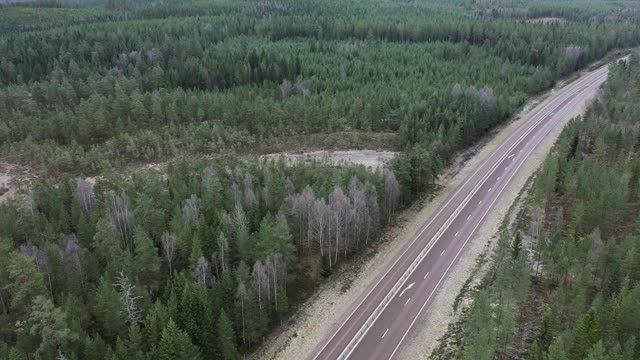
(372, 159)
(548, 20)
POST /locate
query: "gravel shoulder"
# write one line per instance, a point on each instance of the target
(325, 310)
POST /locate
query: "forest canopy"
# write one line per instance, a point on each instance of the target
(204, 258)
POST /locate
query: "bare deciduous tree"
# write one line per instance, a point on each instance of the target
(373, 220)
(339, 205)
(234, 223)
(285, 88)
(260, 282)
(121, 217)
(320, 226)
(391, 192)
(289, 187)
(85, 195)
(302, 205)
(169, 248)
(202, 271)
(275, 270)
(456, 91)
(191, 210)
(223, 250)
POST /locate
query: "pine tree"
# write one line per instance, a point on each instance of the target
(168, 348)
(227, 338)
(586, 335)
(147, 260)
(516, 245)
(534, 351)
(25, 282)
(50, 325)
(556, 350)
(176, 345)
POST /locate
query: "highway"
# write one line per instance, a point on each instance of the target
(377, 325)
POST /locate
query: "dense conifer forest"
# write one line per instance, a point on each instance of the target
(203, 260)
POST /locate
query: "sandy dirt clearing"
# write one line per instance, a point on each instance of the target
(369, 158)
(13, 178)
(316, 319)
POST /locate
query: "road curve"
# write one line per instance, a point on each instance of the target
(378, 325)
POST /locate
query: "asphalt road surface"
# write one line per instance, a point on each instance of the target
(377, 326)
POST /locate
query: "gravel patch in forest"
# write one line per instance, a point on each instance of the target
(369, 158)
(13, 178)
(325, 311)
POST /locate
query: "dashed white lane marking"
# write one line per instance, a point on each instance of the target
(480, 202)
(489, 190)
(510, 156)
(407, 288)
(425, 276)
(520, 150)
(468, 217)
(499, 177)
(442, 253)
(457, 232)
(385, 333)
(405, 304)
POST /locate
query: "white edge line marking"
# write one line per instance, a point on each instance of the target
(454, 260)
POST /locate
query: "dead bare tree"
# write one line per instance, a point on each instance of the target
(373, 211)
(128, 299)
(456, 91)
(289, 187)
(339, 205)
(85, 195)
(235, 222)
(391, 192)
(223, 250)
(202, 271)
(121, 217)
(359, 212)
(259, 281)
(320, 226)
(274, 268)
(169, 248)
(191, 210)
(285, 88)
(302, 205)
